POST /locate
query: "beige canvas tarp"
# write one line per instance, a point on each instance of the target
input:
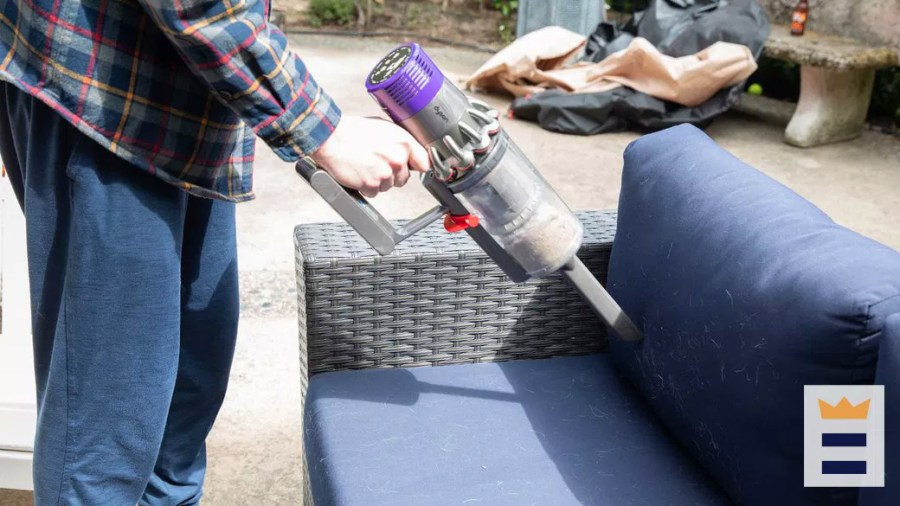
(543, 59)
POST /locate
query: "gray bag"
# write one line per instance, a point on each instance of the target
(686, 27)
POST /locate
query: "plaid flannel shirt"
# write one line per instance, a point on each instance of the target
(176, 87)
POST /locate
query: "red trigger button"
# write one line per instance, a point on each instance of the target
(455, 224)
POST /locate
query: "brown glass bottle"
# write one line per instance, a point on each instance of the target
(799, 18)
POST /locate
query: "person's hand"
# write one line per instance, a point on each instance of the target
(370, 155)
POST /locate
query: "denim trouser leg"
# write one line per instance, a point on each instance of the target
(134, 308)
(209, 321)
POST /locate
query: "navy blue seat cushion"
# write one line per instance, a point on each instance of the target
(745, 292)
(556, 432)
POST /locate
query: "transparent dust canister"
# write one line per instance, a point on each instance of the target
(520, 210)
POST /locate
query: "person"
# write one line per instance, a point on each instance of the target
(127, 130)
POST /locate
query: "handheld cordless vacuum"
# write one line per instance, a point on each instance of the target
(483, 182)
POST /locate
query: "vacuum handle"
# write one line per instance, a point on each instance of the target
(360, 214)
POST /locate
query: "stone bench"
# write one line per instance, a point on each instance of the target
(836, 79)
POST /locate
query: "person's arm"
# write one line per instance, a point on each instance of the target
(247, 64)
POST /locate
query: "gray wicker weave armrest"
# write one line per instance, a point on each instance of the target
(437, 300)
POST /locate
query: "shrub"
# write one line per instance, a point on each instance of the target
(886, 96)
(506, 27)
(627, 6)
(331, 12)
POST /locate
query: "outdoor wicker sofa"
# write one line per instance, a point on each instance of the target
(745, 292)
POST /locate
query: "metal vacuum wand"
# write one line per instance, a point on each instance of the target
(599, 299)
(483, 182)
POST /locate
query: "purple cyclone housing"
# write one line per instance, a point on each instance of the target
(404, 81)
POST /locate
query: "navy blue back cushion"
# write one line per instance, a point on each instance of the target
(888, 374)
(745, 292)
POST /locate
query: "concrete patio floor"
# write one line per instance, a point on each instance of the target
(253, 449)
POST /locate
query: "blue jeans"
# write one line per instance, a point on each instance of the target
(134, 296)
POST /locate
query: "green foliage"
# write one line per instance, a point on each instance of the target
(779, 79)
(507, 31)
(331, 12)
(506, 7)
(507, 25)
(412, 14)
(626, 6)
(886, 95)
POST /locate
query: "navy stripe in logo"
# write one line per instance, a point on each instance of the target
(843, 440)
(844, 467)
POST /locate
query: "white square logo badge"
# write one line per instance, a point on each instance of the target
(843, 435)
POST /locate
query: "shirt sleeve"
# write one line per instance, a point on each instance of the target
(247, 64)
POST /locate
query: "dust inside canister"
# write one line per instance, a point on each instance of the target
(539, 231)
(524, 215)
(546, 242)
